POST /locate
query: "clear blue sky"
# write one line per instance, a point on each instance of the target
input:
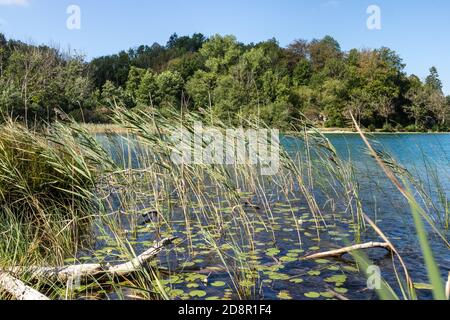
(418, 30)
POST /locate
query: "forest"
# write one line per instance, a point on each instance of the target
(231, 80)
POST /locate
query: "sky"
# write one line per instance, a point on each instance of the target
(419, 30)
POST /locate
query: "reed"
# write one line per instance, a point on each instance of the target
(135, 194)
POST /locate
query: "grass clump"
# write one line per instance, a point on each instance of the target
(41, 171)
(47, 183)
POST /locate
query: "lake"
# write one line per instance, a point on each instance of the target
(269, 265)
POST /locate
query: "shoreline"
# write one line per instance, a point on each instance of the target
(112, 128)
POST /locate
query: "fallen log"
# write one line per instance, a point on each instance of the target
(19, 290)
(83, 271)
(340, 252)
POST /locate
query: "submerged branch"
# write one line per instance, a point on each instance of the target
(341, 252)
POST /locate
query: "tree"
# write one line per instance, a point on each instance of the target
(385, 107)
(438, 106)
(114, 68)
(332, 102)
(186, 44)
(3, 50)
(110, 93)
(133, 82)
(302, 73)
(147, 93)
(433, 80)
(359, 105)
(220, 53)
(275, 87)
(201, 87)
(321, 51)
(417, 109)
(39, 79)
(298, 50)
(187, 65)
(170, 86)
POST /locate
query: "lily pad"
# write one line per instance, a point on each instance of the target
(296, 280)
(312, 295)
(278, 276)
(339, 278)
(218, 284)
(187, 264)
(322, 261)
(288, 259)
(197, 293)
(176, 293)
(341, 290)
(328, 295)
(284, 295)
(272, 252)
(350, 269)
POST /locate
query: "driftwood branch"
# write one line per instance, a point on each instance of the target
(83, 271)
(19, 290)
(340, 252)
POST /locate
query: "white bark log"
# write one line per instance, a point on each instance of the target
(18, 289)
(63, 274)
(341, 252)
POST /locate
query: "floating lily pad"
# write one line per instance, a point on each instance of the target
(341, 290)
(278, 276)
(350, 269)
(328, 295)
(288, 259)
(312, 295)
(333, 268)
(187, 264)
(339, 278)
(284, 295)
(296, 280)
(176, 293)
(322, 261)
(272, 252)
(218, 284)
(197, 293)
